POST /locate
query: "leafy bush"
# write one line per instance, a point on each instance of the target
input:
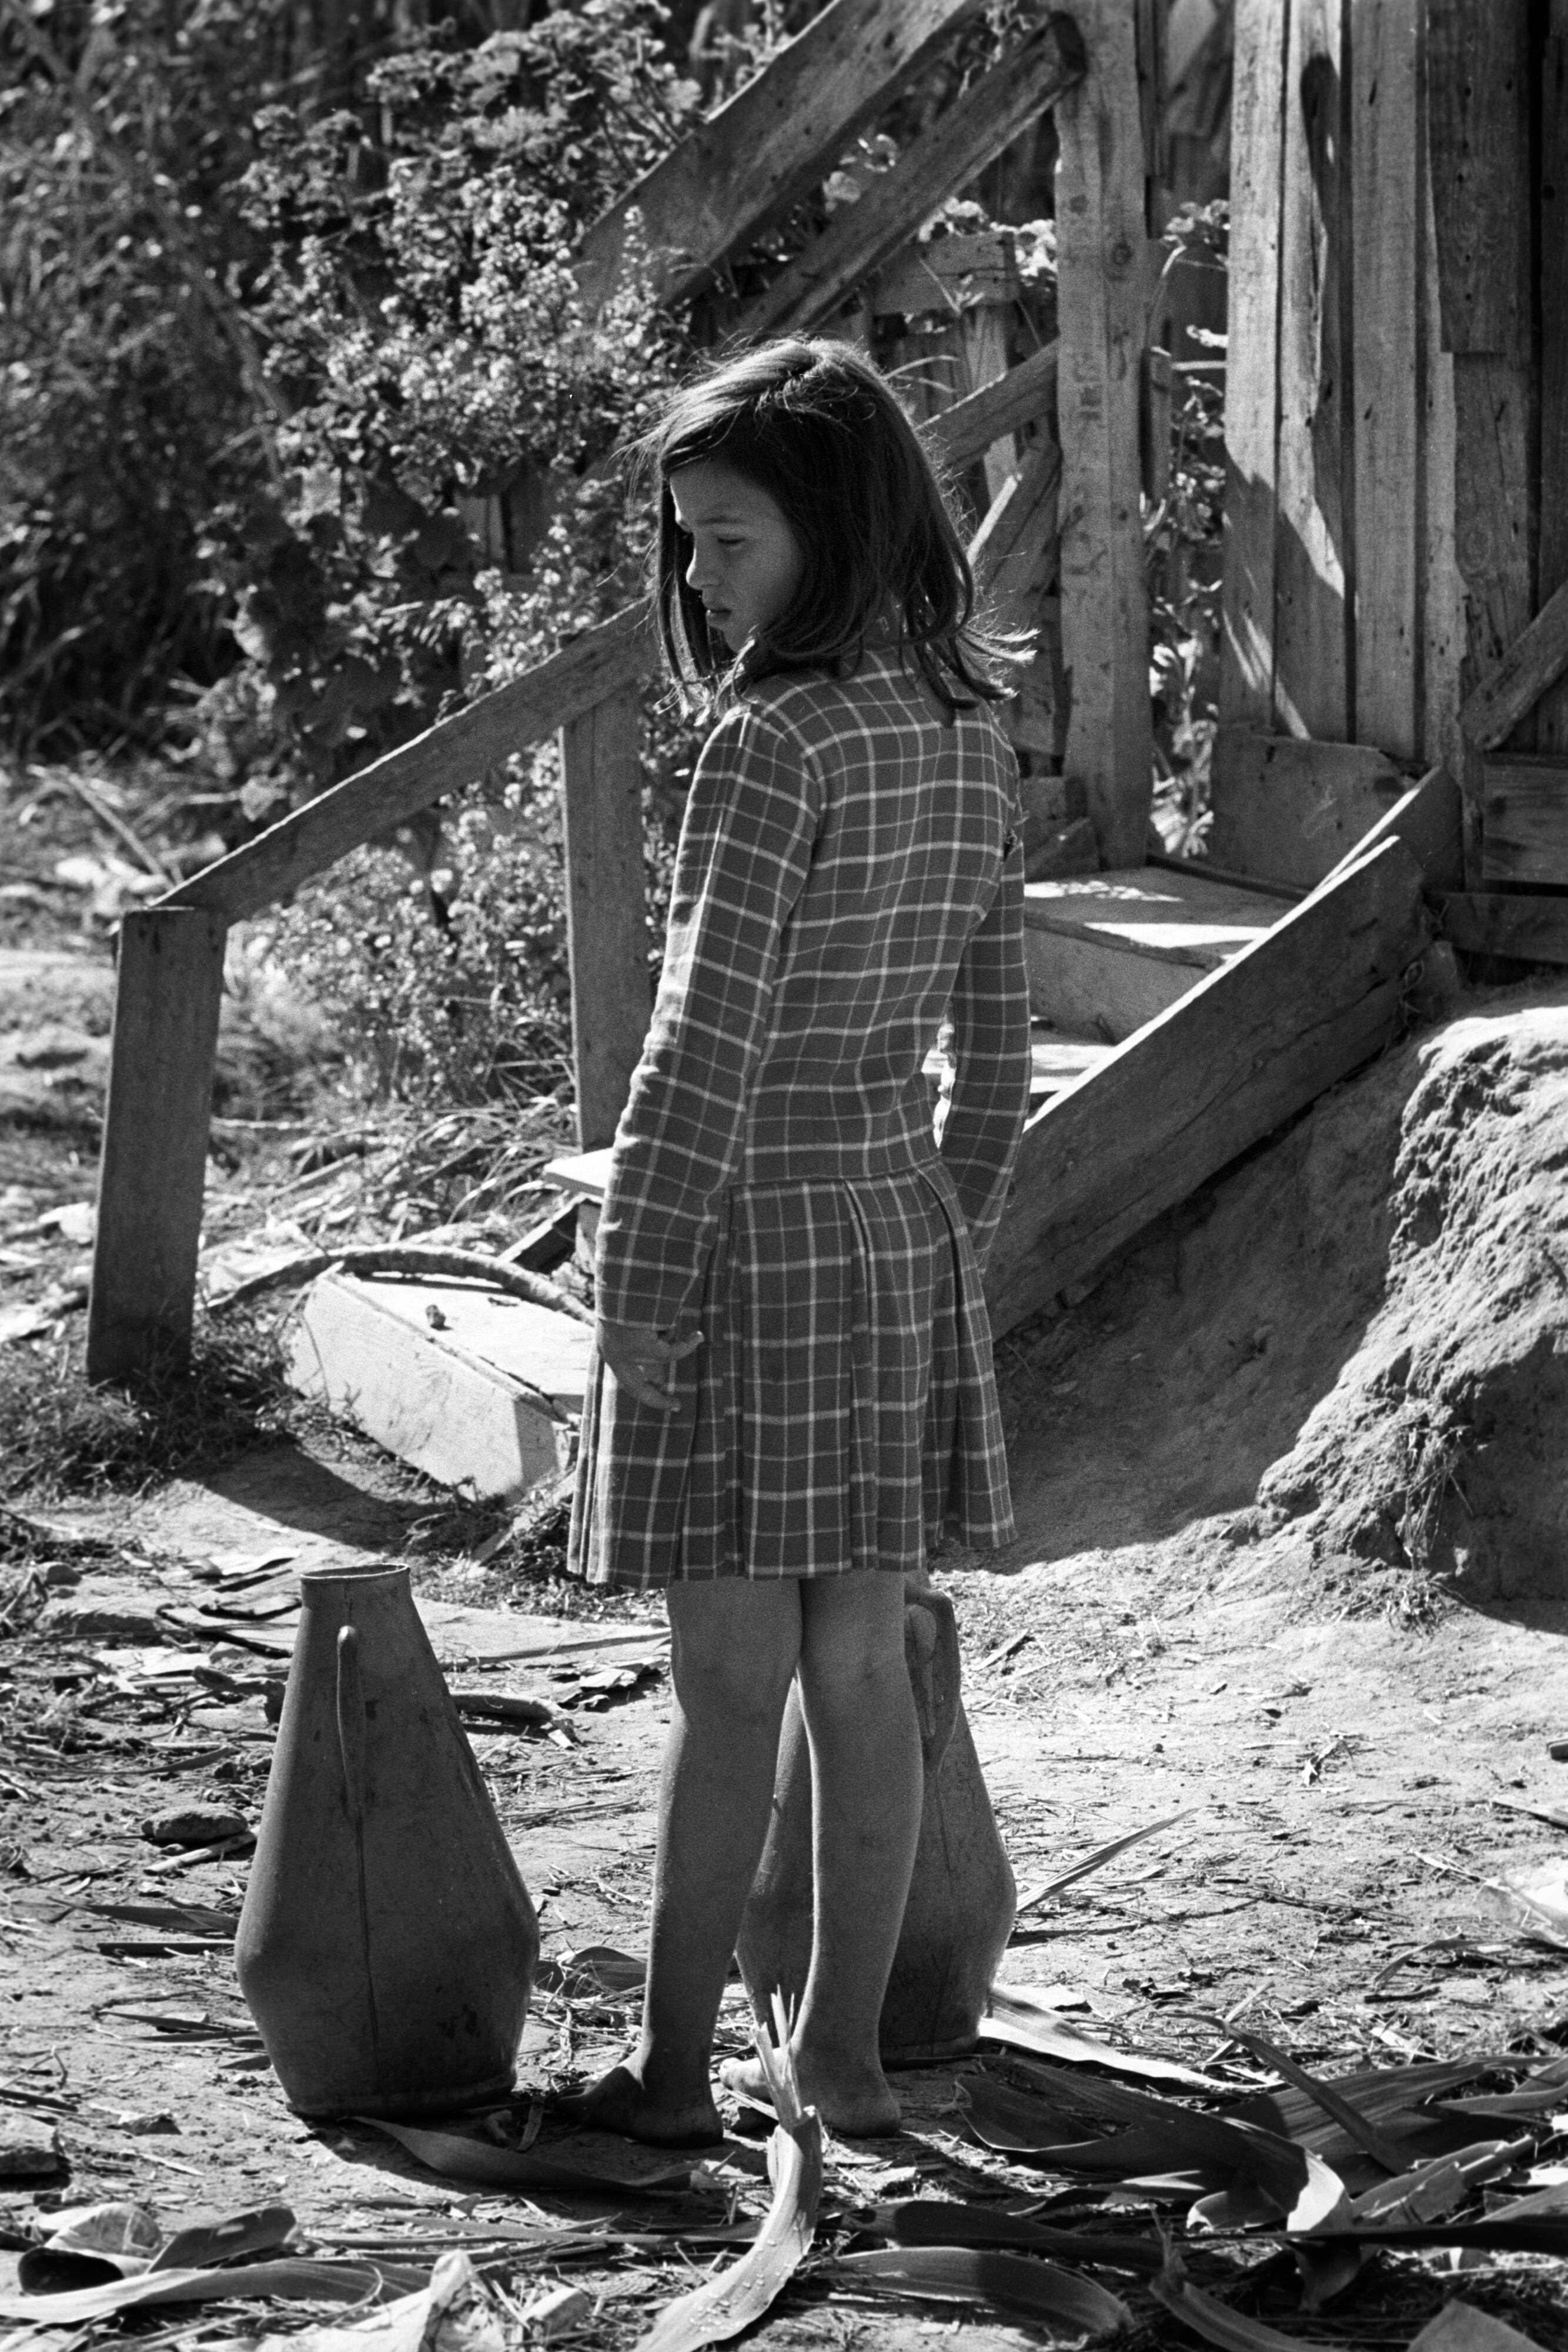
(129, 395)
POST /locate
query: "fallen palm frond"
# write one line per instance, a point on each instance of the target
(1217, 2323)
(723, 2306)
(932, 2221)
(1163, 2137)
(1101, 1855)
(1016, 2018)
(1358, 2126)
(586, 2160)
(299, 2279)
(1064, 2307)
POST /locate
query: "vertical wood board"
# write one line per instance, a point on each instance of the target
(153, 1163)
(1491, 517)
(1253, 372)
(1385, 235)
(1103, 263)
(1442, 591)
(1478, 85)
(607, 917)
(1313, 553)
(1552, 717)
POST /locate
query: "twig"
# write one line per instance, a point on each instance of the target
(408, 1258)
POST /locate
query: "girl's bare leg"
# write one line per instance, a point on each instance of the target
(734, 1649)
(867, 1795)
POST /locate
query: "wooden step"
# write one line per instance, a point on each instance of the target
(1109, 952)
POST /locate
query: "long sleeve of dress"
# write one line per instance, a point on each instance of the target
(745, 849)
(989, 1098)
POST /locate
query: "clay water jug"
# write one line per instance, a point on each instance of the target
(961, 1897)
(387, 1944)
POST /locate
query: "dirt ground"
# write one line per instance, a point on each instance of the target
(1356, 1740)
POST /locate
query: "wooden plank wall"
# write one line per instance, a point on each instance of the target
(1397, 430)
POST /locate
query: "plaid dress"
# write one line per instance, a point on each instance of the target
(847, 875)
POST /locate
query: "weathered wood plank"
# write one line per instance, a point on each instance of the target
(984, 329)
(1552, 567)
(606, 909)
(1106, 953)
(1524, 810)
(1442, 589)
(1428, 823)
(448, 755)
(435, 1398)
(1491, 517)
(1102, 297)
(968, 429)
(1533, 930)
(1385, 216)
(1243, 1051)
(936, 277)
(1533, 662)
(153, 1162)
(1288, 809)
(1252, 366)
(762, 151)
(1477, 97)
(971, 134)
(1313, 556)
(1015, 551)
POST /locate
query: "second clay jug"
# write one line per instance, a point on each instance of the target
(387, 1944)
(961, 1897)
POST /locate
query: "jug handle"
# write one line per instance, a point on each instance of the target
(352, 1719)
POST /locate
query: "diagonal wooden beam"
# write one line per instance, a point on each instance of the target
(1303, 1006)
(1536, 659)
(892, 206)
(763, 151)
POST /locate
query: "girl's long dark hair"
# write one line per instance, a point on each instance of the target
(813, 424)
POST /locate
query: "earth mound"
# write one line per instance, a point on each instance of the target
(1358, 1336)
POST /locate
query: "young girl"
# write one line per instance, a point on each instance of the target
(794, 1382)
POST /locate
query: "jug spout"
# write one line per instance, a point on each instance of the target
(387, 1944)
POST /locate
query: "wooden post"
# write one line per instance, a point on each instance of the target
(1551, 719)
(607, 915)
(1253, 367)
(1386, 224)
(1103, 292)
(154, 1156)
(1314, 686)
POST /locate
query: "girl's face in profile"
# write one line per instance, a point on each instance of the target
(745, 561)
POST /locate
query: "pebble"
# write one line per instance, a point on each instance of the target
(195, 1825)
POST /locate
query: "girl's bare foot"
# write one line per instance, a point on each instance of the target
(621, 2102)
(852, 2100)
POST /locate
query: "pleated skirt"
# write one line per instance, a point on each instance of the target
(841, 1414)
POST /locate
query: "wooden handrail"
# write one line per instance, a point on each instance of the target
(971, 134)
(762, 151)
(590, 669)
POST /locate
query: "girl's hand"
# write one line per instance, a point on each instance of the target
(643, 1362)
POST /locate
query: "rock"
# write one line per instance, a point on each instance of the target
(195, 1825)
(28, 2143)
